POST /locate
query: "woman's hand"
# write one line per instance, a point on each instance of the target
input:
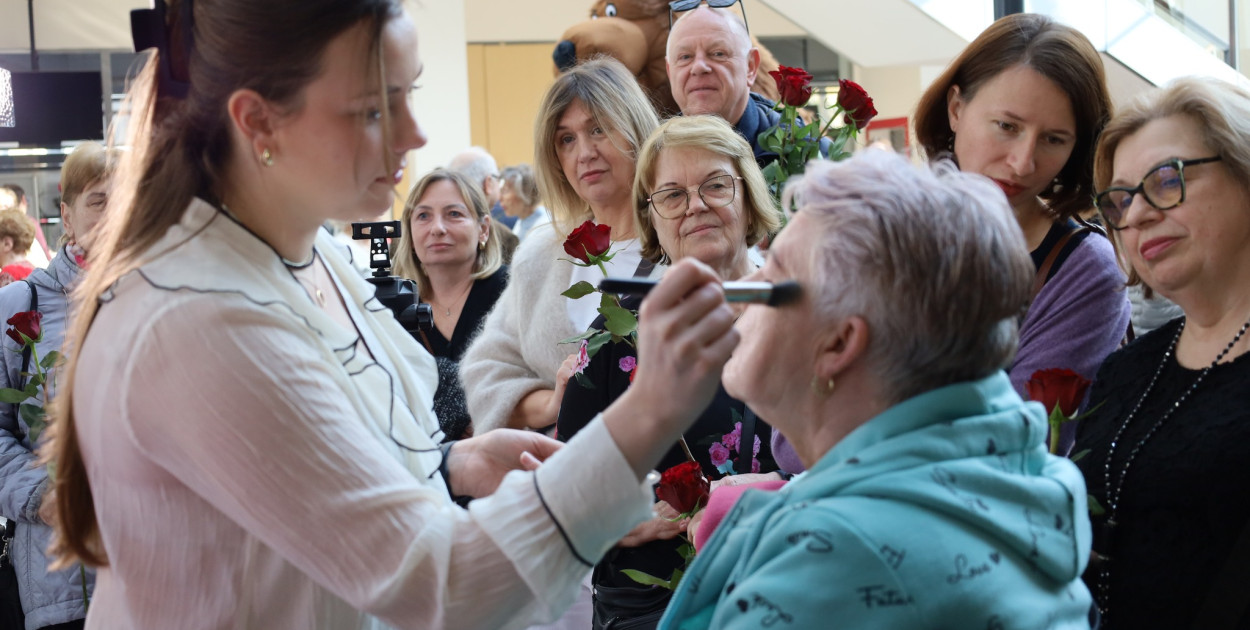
(557, 395)
(540, 408)
(685, 335)
(663, 526)
(477, 465)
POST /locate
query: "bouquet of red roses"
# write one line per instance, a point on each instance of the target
(797, 143)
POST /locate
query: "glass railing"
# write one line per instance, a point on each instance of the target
(1159, 40)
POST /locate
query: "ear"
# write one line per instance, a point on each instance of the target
(954, 107)
(67, 222)
(753, 64)
(843, 345)
(255, 120)
(6, 244)
(485, 231)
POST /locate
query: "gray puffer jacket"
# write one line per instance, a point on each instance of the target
(47, 598)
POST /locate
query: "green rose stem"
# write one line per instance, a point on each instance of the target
(43, 385)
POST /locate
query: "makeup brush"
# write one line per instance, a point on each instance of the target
(748, 292)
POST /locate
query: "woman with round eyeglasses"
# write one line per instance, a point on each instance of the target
(698, 193)
(1170, 434)
(1023, 105)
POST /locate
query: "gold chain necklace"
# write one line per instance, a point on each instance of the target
(463, 295)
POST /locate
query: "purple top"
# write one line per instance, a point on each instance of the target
(1078, 318)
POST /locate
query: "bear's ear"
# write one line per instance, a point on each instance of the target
(620, 39)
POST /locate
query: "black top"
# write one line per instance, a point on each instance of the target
(1057, 230)
(1184, 503)
(449, 403)
(581, 404)
(480, 301)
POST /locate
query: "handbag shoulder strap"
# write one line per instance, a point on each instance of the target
(21, 383)
(1043, 272)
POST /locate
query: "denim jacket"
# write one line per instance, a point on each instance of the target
(47, 598)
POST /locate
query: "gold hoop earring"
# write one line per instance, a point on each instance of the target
(266, 157)
(481, 246)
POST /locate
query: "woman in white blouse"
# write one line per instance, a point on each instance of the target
(247, 440)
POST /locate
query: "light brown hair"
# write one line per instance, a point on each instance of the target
(179, 149)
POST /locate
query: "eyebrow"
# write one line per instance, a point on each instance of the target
(445, 206)
(710, 174)
(1122, 183)
(1014, 116)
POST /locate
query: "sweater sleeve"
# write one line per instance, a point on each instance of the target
(258, 428)
(21, 480)
(495, 370)
(1079, 318)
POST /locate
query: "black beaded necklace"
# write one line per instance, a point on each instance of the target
(1115, 494)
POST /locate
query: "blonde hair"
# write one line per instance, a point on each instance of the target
(1221, 110)
(613, 98)
(89, 163)
(15, 225)
(404, 260)
(714, 135)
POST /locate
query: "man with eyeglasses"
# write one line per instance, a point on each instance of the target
(711, 65)
(480, 166)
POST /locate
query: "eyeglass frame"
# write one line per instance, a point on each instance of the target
(681, 6)
(734, 179)
(1140, 188)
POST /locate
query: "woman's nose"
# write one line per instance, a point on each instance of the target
(1022, 158)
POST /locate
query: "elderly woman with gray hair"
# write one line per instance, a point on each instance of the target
(930, 499)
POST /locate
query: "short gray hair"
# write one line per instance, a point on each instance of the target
(475, 163)
(931, 258)
(521, 179)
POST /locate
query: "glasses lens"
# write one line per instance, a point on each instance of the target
(1164, 186)
(718, 191)
(1113, 204)
(669, 202)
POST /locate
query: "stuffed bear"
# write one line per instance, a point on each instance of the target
(636, 33)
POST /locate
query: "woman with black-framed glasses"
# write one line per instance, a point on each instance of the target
(698, 193)
(1170, 435)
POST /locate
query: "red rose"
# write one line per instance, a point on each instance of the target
(794, 84)
(1058, 386)
(856, 103)
(684, 487)
(24, 323)
(588, 240)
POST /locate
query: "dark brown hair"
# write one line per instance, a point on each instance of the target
(179, 150)
(1059, 53)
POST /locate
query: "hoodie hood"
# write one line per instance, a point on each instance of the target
(973, 452)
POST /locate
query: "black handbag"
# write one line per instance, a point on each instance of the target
(11, 615)
(629, 607)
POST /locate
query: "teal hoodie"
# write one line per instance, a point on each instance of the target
(945, 511)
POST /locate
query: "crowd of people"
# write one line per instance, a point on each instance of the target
(238, 434)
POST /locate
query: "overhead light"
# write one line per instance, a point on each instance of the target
(6, 99)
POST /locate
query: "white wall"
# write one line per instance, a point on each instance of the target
(442, 103)
(545, 20)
